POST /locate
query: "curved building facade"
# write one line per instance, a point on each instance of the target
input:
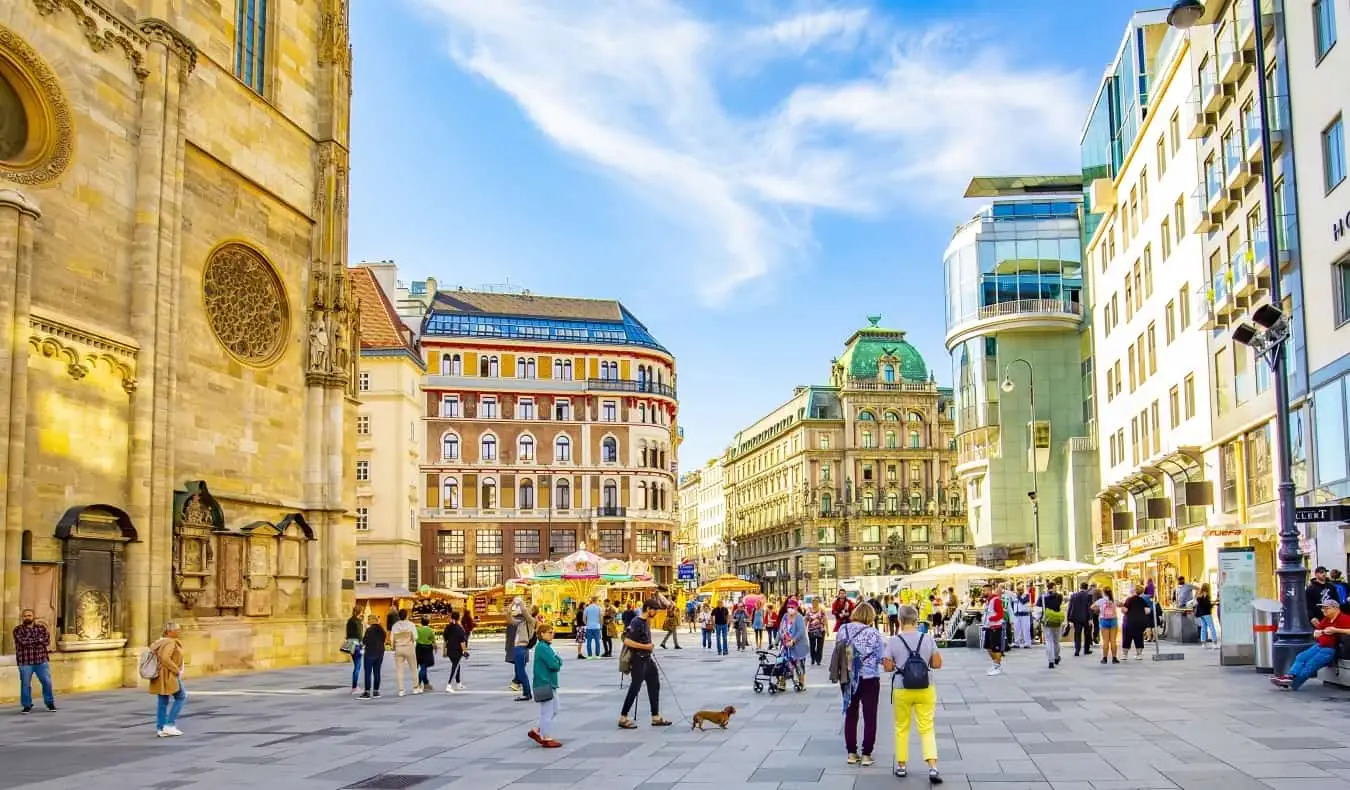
(1014, 278)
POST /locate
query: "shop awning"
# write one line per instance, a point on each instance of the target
(1119, 563)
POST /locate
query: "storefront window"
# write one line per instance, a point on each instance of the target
(1329, 439)
(1260, 479)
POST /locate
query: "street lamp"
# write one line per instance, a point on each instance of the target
(1033, 494)
(1295, 632)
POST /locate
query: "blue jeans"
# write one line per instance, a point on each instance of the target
(707, 637)
(422, 678)
(593, 647)
(721, 638)
(1208, 633)
(519, 656)
(166, 715)
(356, 667)
(1307, 663)
(44, 676)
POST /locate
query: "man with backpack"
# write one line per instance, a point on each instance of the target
(910, 654)
(1052, 621)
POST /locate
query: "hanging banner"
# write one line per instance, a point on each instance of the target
(1237, 591)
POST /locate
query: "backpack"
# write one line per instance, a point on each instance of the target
(841, 662)
(149, 664)
(1107, 609)
(913, 672)
(1052, 618)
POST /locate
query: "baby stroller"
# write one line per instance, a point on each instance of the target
(772, 669)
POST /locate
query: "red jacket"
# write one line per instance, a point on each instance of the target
(842, 609)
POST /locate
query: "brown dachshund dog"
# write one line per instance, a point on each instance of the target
(718, 717)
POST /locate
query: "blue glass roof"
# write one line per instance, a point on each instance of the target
(627, 332)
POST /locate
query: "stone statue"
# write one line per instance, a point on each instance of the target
(318, 344)
(340, 351)
(197, 513)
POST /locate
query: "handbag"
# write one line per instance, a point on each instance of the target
(349, 646)
(543, 693)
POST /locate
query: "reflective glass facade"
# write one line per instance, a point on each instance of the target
(1014, 251)
(629, 332)
(1121, 105)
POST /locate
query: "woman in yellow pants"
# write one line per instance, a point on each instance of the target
(917, 703)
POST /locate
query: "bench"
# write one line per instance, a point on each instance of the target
(1338, 674)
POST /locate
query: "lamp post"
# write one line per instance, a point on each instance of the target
(1034, 494)
(1295, 632)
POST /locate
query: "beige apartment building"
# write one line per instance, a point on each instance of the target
(851, 478)
(1227, 211)
(550, 423)
(389, 439)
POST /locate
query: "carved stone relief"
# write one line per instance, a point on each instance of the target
(259, 597)
(197, 518)
(49, 128)
(246, 304)
(230, 578)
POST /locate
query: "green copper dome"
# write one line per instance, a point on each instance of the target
(874, 353)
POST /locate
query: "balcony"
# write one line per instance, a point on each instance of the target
(1212, 97)
(501, 384)
(1221, 286)
(1232, 61)
(1251, 125)
(1048, 314)
(611, 511)
(1217, 199)
(1197, 208)
(1246, 31)
(1238, 172)
(979, 445)
(1243, 280)
(890, 386)
(1199, 124)
(1204, 308)
(630, 385)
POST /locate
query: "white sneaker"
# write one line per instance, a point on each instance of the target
(417, 690)
(449, 689)
(162, 734)
(460, 687)
(996, 669)
(402, 693)
(172, 731)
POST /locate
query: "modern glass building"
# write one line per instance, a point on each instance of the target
(1122, 101)
(1014, 280)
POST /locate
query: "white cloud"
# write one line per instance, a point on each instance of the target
(635, 88)
(800, 33)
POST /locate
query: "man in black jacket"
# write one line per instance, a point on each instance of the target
(1080, 616)
(1319, 589)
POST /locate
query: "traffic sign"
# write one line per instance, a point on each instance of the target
(1320, 513)
(685, 572)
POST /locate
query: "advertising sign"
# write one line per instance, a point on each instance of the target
(1237, 590)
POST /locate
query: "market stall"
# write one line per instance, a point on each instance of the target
(727, 585)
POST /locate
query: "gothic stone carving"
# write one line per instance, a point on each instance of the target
(82, 349)
(246, 304)
(230, 578)
(53, 123)
(104, 32)
(197, 517)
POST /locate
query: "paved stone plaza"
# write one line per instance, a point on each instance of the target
(1180, 724)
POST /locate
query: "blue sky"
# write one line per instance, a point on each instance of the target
(751, 178)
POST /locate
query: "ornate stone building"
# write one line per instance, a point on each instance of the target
(177, 362)
(550, 424)
(850, 479)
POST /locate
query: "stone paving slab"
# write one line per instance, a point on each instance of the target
(1182, 725)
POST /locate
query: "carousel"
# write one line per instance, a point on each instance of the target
(560, 587)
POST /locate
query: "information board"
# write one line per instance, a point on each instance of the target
(1237, 590)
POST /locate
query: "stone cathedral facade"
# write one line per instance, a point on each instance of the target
(177, 331)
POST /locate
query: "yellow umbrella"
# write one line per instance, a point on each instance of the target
(728, 583)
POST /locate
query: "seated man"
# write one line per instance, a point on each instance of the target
(1334, 625)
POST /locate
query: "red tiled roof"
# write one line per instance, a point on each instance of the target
(380, 325)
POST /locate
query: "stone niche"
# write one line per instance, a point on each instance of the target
(198, 519)
(93, 580)
(258, 570)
